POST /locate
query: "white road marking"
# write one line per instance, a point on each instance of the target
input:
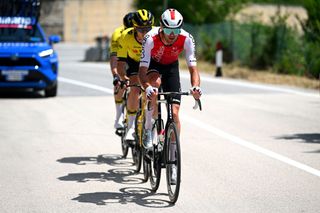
(250, 145)
(253, 85)
(215, 131)
(87, 85)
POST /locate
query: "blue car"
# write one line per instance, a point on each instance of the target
(27, 57)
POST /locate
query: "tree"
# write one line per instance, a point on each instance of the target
(312, 25)
(194, 11)
(312, 34)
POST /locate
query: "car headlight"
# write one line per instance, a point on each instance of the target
(46, 53)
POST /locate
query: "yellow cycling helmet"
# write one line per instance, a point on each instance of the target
(143, 18)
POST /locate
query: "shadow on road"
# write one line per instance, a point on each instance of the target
(112, 160)
(138, 195)
(19, 94)
(121, 174)
(304, 138)
(118, 175)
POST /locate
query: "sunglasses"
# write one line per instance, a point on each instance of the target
(175, 31)
(143, 29)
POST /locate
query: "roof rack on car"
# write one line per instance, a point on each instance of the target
(21, 8)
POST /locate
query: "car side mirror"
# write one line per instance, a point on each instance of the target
(54, 39)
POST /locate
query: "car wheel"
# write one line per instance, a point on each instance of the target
(51, 91)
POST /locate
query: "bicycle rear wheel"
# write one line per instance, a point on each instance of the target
(155, 165)
(173, 162)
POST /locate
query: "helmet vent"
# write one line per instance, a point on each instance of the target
(166, 23)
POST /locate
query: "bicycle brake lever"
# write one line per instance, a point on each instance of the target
(197, 104)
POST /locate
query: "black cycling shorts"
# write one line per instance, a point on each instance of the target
(133, 67)
(170, 78)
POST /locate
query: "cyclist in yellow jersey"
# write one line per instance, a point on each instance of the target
(127, 22)
(129, 52)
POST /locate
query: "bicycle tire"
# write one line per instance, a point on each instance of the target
(171, 138)
(137, 149)
(146, 167)
(155, 164)
(136, 156)
(124, 145)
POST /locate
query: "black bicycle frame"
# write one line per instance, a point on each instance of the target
(167, 99)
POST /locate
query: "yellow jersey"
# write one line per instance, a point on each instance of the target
(129, 47)
(115, 40)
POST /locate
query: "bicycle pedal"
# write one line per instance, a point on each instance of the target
(130, 143)
(118, 133)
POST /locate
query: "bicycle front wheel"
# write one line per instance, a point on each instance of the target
(155, 167)
(146, 167)
(124, 144)
(173, 162)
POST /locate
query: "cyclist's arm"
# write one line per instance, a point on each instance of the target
(113, 64)
(147, 46)
(121, 68)
(190, 51)
(143, 76)
(195, 82)
(113, 51)
(122, 57)
(194, 76)
(189, 47)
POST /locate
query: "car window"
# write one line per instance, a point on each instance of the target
(21, 35)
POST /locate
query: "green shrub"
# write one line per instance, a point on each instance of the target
(312, 59)
(259, 47)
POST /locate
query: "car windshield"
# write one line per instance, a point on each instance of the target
(8, 34)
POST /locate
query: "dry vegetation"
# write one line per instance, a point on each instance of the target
(237, 72)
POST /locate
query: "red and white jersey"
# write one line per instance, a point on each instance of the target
(154, 48)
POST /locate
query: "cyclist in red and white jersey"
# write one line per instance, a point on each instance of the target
(159, 65)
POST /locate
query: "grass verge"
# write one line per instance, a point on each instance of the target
(267, 76)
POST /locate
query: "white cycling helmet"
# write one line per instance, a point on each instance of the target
(171, 18)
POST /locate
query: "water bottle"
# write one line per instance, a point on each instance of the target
(161, 136)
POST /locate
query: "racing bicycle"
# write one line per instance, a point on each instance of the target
(138, 151)
(166, 151)
(125, 145)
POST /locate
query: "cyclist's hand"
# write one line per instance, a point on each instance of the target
(151, 91)
(116, 80)
(125, 83)
(196, 92)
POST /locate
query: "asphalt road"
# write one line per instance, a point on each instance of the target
(253, 148)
